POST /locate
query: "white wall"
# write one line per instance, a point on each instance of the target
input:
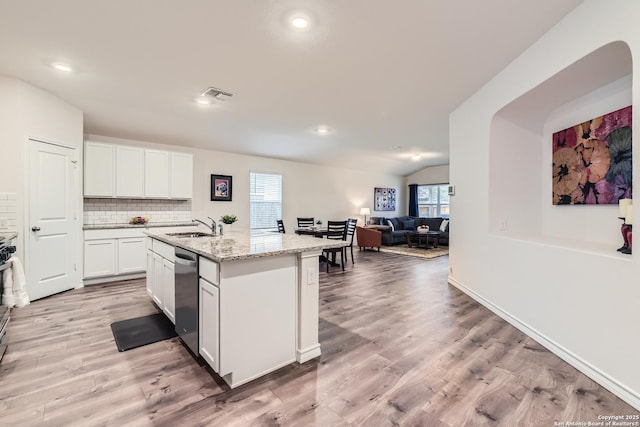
(29, 112)
(323, 192)
(578, 299)
(430, 175)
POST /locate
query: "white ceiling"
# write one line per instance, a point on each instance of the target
(380, 73)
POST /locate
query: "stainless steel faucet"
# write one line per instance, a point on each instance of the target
(212, 227)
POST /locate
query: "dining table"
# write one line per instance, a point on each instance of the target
(319, 232)
(312, 231)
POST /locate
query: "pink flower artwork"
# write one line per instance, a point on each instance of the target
(592, 160)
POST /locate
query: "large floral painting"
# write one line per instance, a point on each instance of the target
(592, 161)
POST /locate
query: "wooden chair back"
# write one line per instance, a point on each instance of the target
(337, 230)
(305, 222)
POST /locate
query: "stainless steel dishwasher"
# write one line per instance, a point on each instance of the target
(186, 274)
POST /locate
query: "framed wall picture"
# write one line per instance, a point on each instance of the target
(592, 161)
(384, 199)
(221, 186)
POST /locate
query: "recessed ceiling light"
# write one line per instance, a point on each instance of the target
(62, 67)
(416, 157)
(203, 100)
(322, 130)
(300, 23)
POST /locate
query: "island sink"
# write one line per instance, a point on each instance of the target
(191, 234)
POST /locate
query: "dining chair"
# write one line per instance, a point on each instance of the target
(336, 230)
(280, 226)
(351, 229)
(305, 222)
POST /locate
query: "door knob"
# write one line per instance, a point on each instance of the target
(35, 228)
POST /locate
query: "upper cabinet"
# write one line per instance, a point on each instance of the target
(99, 170)
(129, 172)
(181, 176)
(112, 170)
(156, 174)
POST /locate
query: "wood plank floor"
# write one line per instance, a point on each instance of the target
(399, 347)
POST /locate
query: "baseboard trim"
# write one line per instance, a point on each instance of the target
(108, 279)
(614, 386)
(308, 353)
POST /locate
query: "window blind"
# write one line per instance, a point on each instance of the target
(265, 200)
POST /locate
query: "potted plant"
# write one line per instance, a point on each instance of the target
(319, 222)
(228, 219)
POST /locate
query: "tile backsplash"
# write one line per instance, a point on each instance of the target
(120, 211)
(8, 212)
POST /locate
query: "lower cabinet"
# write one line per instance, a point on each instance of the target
(161, 277)
(150, 275)
(100, 258)
(113, 253)
(247, 316)
(209, 330)
(169, 289)
(157, 282)
(131, 255)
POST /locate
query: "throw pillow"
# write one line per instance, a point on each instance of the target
(391, 225)
(409, 225)
(443, 225)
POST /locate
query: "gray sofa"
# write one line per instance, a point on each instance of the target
(401, 225)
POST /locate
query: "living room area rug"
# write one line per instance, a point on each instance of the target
(416, 251)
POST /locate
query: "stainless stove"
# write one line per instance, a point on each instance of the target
(6, 250)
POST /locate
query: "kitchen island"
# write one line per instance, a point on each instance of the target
(257, 297)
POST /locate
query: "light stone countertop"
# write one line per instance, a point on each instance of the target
(8, 235)
(242, 244)
(147, 225)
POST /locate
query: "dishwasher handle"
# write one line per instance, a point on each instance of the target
(182, 259)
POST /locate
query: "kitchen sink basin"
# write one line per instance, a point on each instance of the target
(190, 234)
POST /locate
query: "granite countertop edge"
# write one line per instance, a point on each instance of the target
(189, 244)
(147, 225)
(9, 235)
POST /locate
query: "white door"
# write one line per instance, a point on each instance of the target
(53, 210)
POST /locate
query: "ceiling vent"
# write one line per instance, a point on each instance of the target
(216, 93)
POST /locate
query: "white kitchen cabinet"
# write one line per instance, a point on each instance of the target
(129, 171)
(100, 258)
(239, 302)
(131, 255)
(181, 182)
(156, 174)
(99, 169)
(112, 254)
(157, 283)
(150, 279)
(161, 277)
(112, 170)
(209, 323)
(169, 289)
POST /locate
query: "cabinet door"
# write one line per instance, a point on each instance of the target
(129, 171)
(150, 273)
(157, 279)
(100, 258)
(181, 176)
(99, 170)
(156, 173)
(209, 327)
(131, 255)
(169, 289)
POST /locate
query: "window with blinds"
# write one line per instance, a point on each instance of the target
(265, 200)
(433, 200)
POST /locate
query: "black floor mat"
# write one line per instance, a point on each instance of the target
(141, 331)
